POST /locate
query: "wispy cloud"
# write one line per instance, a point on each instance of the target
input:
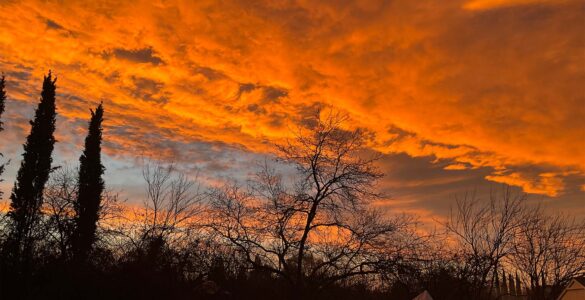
(493, 4)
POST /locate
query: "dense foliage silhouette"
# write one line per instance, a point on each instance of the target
(2, 107)
(2, 99)
(91, 187)
(27, 195)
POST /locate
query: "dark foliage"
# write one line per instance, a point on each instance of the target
(91, 187)
(2, 106)
(27, 195)
(2, 99)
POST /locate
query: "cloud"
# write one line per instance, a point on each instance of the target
(138, 56)
(545, 183)
(456, 166)
(51, 24)
(460, 84)
(492, 4)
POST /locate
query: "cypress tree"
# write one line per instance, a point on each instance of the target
(91, 186)
(27, 194)
(504, 284)
(511, 287)
(2, 98)
(2, 103)
(497, 282)
(518, 286)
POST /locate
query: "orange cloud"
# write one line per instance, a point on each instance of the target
(491, 4)
(549, 184)
(500, 89)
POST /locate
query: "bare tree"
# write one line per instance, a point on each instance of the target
(60, 196)
(549, 250)
(171, 206)
(59, 207)
(320, 229)
(484, 234)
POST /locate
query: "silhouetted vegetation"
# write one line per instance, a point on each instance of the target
(313, 234)
(2, 107)
(27, 195)
(2, 98)
(91, 186)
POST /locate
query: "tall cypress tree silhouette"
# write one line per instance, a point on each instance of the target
(511, 287)
(27, 194)
(2, 98)
(518, 285)
(2, 103)
(504, 284)
(91, 186)
(497, 282)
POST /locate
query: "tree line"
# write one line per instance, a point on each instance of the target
(308, 235)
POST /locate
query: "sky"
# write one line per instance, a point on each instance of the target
(458, 96)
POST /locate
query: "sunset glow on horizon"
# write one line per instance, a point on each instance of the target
(457, 96)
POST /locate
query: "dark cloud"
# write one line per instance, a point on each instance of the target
(210, 73)
(246, 87)
(307, 114)
(257, 109)
(149, 90)
(270, 94)
(418, 183)
(53, 25)
(273, 94)
(145, 55)
(399, 133)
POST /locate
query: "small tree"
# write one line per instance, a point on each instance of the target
(91, 187)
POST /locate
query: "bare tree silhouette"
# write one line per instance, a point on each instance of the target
(60, 200)
(171, 207)
(549, 250)
(484, 232)
(321, 229)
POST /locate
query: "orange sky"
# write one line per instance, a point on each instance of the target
(470, 92)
